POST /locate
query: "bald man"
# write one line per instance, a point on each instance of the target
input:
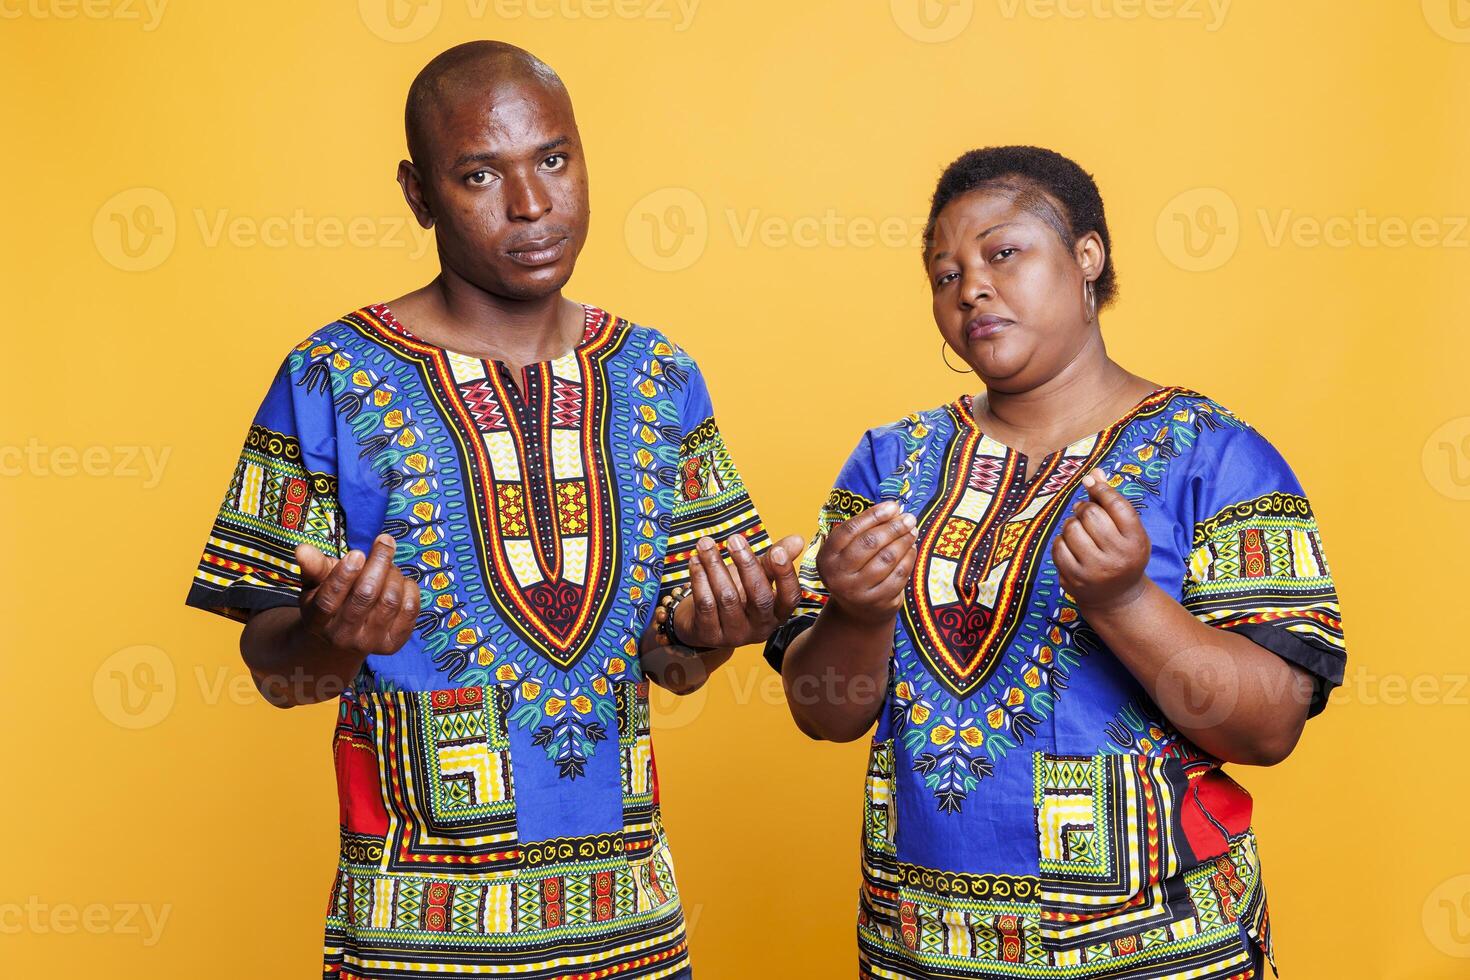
(479, 517)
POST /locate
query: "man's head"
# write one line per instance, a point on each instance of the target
(496, 169)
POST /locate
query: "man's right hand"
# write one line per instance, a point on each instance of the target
(358, 604)
(866, 560)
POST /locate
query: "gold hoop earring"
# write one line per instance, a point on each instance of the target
(944, 349)
(1089, 300)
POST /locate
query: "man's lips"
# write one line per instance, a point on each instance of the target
(539, 251)
(986, 326)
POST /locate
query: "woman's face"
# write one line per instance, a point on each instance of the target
(1008, 292)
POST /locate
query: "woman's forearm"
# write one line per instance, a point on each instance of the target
(836, 675)
(1230, 696)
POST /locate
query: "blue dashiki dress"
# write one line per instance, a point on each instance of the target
(1029, 812)
(498, 795)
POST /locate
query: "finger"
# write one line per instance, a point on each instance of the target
(1105, 495)
(369, 585)
(905, 551)
(1084, 549)
(759, 600)
(408, 615)
(727, 596)
(791, 548)
(1099, 525)
(868, 543)
(377, 633)
(330, 595)
(897, 579)
(853, 526)
(706, 609)
(890, 542)
(1065, 561)
(315, 566)
(781, 567)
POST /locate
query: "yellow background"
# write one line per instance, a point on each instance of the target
(784, 152)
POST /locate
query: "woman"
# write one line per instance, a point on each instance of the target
(1065, 602)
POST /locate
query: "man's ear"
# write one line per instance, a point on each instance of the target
(413, 192)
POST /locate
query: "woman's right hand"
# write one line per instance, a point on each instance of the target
(358, 604)
(866, 561)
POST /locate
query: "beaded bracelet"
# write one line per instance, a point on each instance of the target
(663, 617)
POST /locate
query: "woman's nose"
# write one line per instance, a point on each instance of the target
(975, 288)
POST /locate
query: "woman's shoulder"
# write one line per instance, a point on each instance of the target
(1226, 459)
(1207, 427)
(920, 425)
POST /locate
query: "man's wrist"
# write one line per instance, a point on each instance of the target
(667, 624)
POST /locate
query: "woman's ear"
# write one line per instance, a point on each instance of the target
(1091, 255)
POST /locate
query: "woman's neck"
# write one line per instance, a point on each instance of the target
(1080, 400)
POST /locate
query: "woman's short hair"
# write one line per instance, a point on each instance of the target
(1027, 170)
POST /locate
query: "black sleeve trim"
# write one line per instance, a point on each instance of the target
(1326, 666)
(238, 601)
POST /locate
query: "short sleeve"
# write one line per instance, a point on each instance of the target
(710, 498)
(1256, 564)
(858, 486)
(283, 492)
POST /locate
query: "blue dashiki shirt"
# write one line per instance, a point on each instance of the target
(1029, 811)
(499, 798)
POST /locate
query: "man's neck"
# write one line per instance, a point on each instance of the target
(462, 317)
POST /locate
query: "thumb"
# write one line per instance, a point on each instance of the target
(315, 566)
(790, 549)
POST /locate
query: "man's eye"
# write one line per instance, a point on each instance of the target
(557, 161)
(480, 178)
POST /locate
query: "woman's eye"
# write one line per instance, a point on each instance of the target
(1003, 253)
(946, 278)
(556, 161)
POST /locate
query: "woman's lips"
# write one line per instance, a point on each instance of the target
(539, 253)
(986, 326)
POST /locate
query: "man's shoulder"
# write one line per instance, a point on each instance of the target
(342, 336)
(647, 339)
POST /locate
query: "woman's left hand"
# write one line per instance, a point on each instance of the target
(1103, 549)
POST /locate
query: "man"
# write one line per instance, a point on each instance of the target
(482, 513)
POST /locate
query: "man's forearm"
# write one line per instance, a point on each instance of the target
(679, 669)
(290, 667)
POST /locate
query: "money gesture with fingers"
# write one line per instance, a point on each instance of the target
(731, 610)
(1103, 549)
(358, 603)
(866, 561)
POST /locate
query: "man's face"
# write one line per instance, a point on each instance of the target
(504, 184)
